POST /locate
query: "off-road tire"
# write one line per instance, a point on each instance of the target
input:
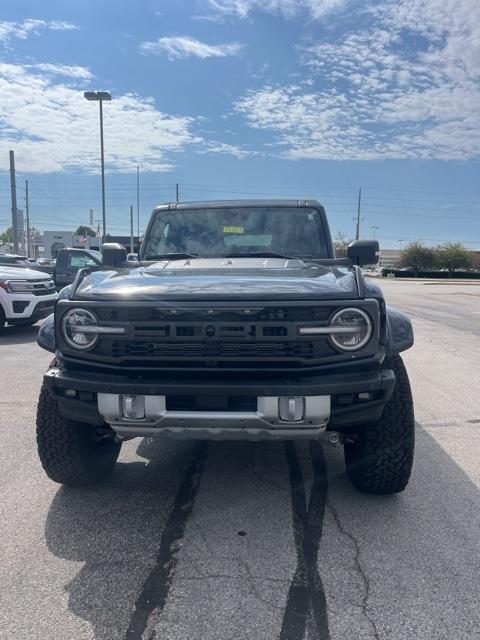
(380, 460)
(71, 452)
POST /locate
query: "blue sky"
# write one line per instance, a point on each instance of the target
(242, 98)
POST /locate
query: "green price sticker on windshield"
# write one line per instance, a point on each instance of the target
(233, 229)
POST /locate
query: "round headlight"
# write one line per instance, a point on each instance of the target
(353, 329)
(78, 328)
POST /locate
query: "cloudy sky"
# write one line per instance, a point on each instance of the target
(235, 98)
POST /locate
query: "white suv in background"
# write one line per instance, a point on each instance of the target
(25, 295)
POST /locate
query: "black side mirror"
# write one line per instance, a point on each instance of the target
(363, 252)
(113, 254)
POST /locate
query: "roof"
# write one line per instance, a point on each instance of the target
(218, 204)
(13, 255)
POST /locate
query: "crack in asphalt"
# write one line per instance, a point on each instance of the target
(156, 587)
(306, 596)
(358, 568)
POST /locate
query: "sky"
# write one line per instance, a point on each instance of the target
(247, 98)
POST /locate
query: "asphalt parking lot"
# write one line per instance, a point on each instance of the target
(261, 541)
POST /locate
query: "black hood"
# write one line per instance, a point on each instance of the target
(221, 279)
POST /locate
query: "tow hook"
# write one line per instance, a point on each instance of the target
(335, 439)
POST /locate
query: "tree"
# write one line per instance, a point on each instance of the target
(340, 243)
(83, 230)
(452, 256)
(7, 236)
(416, 256)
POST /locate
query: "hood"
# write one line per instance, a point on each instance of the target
(221, 279)
(20, 273)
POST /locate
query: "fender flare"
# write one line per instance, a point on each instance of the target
(46, 334)
(399, 331)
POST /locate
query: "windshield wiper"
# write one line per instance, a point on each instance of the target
(172, 256)
(259, 254)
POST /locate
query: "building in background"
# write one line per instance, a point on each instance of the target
(389, 258)
(49, 243)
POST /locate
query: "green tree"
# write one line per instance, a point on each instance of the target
(452, 256)
(7, 236)
(416, 256)
(83, 230)
(340, 243)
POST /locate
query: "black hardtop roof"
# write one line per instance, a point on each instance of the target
(220, 204)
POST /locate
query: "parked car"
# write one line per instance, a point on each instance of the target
(238, 322)
(69, 261)
(26, 296)
(13, 260)
(22, 262)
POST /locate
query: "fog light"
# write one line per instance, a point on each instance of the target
(365, 396)
(133, 407)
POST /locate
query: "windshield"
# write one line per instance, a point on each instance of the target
(212, 232)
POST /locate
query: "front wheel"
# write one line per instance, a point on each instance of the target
(380, 460)
(72, 453)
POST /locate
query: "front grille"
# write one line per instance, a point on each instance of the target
(244, 336)
(226, 351)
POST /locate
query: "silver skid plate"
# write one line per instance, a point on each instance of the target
(275, 417)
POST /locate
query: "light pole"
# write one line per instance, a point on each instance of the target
(400, 240)
(374, 230)
(100, 96)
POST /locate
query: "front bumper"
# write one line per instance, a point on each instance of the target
(26, 306)
(81, 396)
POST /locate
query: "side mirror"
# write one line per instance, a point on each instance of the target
(363, 252)
(113, 254)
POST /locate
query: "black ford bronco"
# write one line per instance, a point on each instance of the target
(236, 322)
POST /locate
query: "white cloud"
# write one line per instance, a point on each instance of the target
(23, 29)
(405, 87)
(68, 71)
(228, 149)
(286, 8)
(53, 128)
(175, 47)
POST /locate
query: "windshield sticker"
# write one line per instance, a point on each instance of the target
(233, 229)
(248, 241)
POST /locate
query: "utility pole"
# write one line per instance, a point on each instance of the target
(13, 191)
(138, 204)
(131, 228)
(27, 213)
(100, 96)
(91, 217)
(357, 231)
(176, 192)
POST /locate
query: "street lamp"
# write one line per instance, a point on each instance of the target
(374, 230)
(100, 96)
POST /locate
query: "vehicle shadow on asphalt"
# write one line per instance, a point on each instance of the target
(18, 335)
(116, 530)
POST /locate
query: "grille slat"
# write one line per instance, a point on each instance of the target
(215, 350)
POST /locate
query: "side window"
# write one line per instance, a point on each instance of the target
(80, 261)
